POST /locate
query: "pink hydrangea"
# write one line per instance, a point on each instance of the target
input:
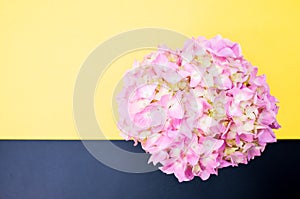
(197, 109)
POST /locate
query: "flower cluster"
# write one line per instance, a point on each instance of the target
(197, 109)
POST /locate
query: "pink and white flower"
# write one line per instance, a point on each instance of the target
(198, 109)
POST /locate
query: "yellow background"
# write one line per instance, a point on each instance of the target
(44, 43)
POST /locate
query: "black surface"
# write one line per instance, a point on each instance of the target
(65, 169)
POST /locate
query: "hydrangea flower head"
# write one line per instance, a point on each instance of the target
(197, 109)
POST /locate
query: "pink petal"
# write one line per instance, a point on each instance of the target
(252, 152)
(225, 52)
(266, 136)
(238, 157)
(176, 111)
(204, 175)
(266, 118)
(249, 137)
(158, 157)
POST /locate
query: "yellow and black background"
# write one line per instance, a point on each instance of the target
(42, 47)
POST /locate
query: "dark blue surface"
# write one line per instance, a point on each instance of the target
(65, 169)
